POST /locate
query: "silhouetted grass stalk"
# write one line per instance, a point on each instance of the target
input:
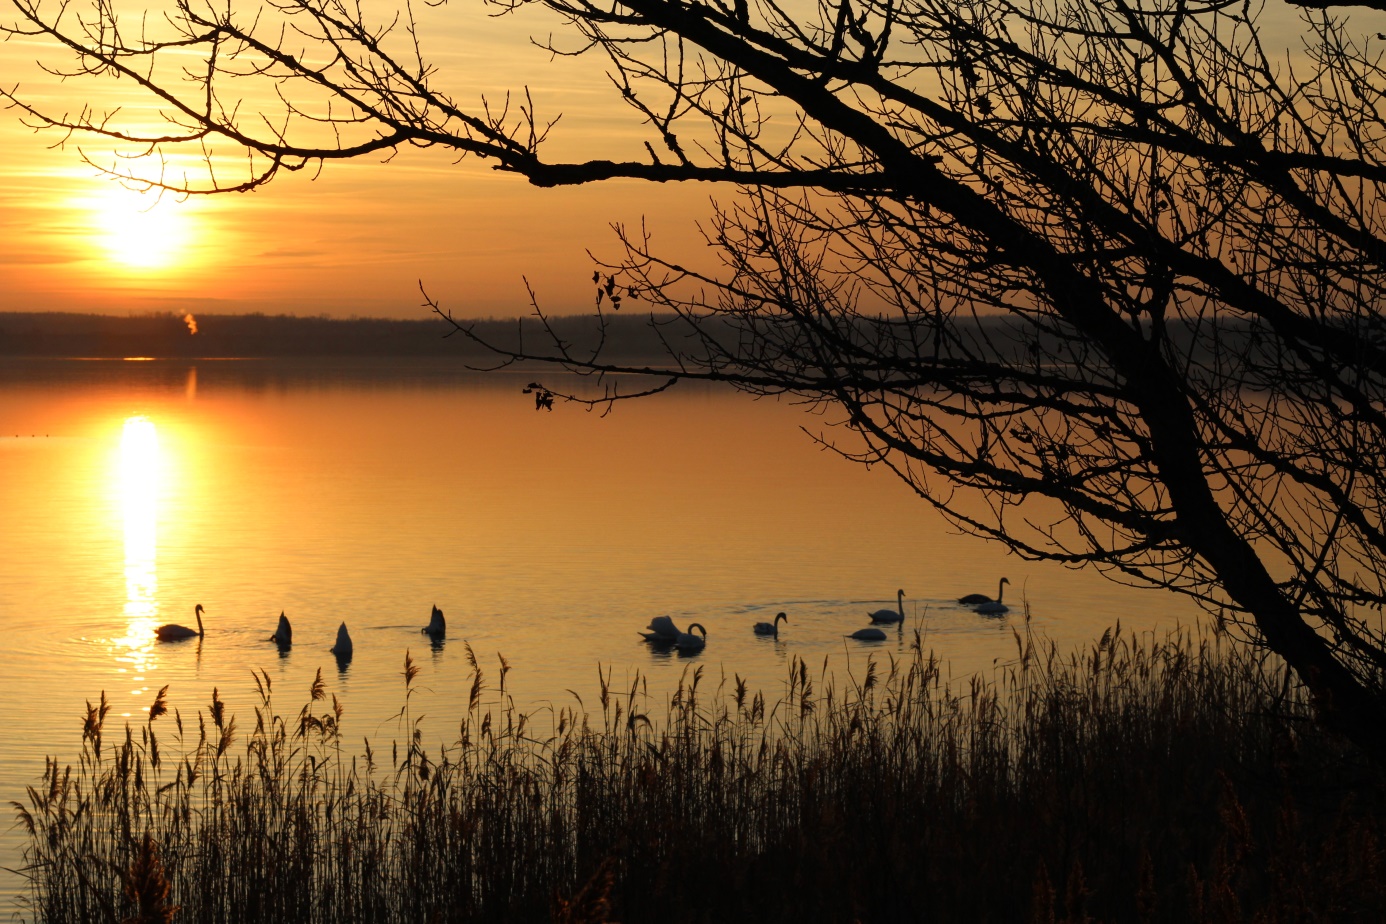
(1141, 779)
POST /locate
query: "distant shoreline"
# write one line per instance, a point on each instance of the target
(57, 335)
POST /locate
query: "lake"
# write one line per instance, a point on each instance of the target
(369, 491)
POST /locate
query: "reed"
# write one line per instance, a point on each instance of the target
(1142, 779)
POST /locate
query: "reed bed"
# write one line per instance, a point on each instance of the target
(1178, 778)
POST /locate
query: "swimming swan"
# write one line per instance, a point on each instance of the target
(895, 615)
(770, 628)
(343, 647)
(173, 632)
(687, 641)
(284, 635)
(662, 629)
(868, 635)
(437, 626)
(974, 599)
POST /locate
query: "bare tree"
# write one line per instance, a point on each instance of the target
(1113, 265)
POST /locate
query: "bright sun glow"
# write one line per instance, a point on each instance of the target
(142, 231)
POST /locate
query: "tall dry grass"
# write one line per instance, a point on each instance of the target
(1172, 779)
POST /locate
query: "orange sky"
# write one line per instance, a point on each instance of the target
(357, 239)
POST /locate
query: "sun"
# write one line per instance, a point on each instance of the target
(142, 231)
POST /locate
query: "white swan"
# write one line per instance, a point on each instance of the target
(895, 615)
(343, 647)
(993, 608)
(974, 599)
(868, 635)
(770, 628)
(662, 629)
(173, 632)
(687, 641)
(437, 626)
(284, 635)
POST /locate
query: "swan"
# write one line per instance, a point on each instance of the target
(895, 615)
(662, 629)
(974, 599)
(687, 641)
(173, 632)
(343, 647)
(770, 628)
(437, 626)
(869, 635)
(991, 608)
(284, 635)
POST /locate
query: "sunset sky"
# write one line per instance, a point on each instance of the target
(355, 240)
(358, 238)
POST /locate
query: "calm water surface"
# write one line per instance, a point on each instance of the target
(368, 492)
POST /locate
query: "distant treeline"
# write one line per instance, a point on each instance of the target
(628, 338)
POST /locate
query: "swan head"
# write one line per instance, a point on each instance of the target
(779, 616)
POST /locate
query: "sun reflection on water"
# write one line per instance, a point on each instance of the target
(141, 474)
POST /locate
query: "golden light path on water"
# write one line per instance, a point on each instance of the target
(141, 468)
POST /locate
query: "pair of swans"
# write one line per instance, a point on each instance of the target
(663, 631)
(882, 617)
(437, 629)
(986, 606)
(284, 638)
(172, 632)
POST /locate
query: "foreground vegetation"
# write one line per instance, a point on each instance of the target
(1175, 779)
